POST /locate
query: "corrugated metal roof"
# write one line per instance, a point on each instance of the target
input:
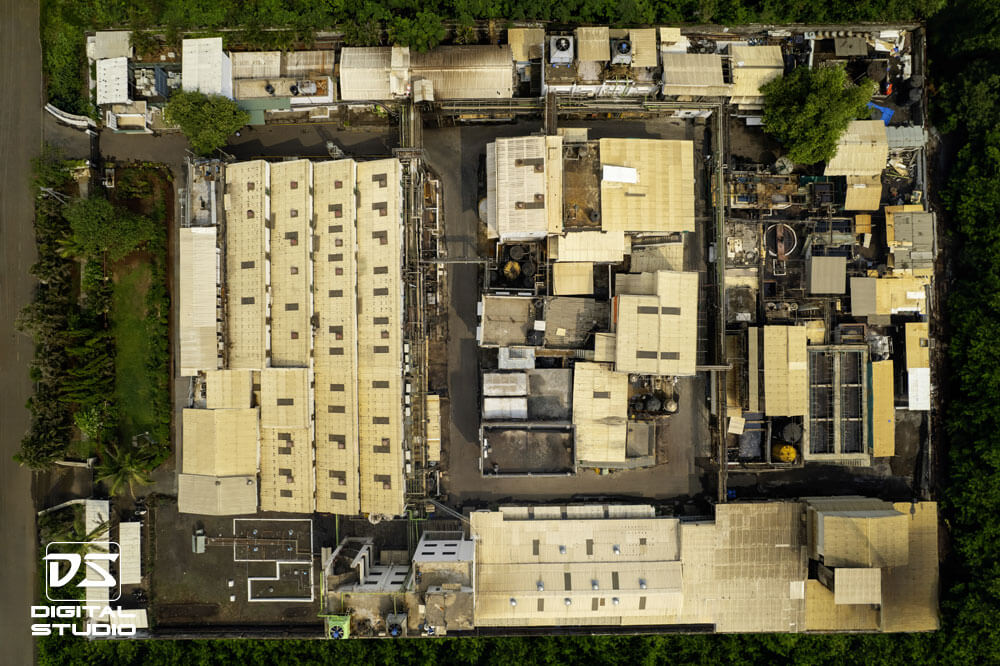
(505, 408)
(603, 247)
(910, 591)
(822, 614)
(593, 44)
(291, 241)
(380, 353)
(256, 64)
(861, 151)
(850, 537)
(863, 192)
(604, 347)
(198, 286)
(785, 371)
(228, 389)
(130, 541)
(286, 470)
(694, 74)
(217, 496)
(661, 257)
(919, 389)
(600, 413)
(656, 333)
(663, 199)
(247, 209)
(753, 66)
(112, 81)
(284, 398)
(497, 384)
(521, 187)
(364, 73)
(219, 442)
(857, 586)
(644, 49)
(526, 43)
(570, 279)
(466, 72)
(883, 410)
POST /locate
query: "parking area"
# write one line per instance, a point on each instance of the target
(255, 571)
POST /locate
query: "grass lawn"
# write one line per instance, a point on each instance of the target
(135, 383)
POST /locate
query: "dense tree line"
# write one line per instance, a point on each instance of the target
(420, 24)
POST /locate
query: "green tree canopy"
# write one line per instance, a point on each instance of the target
(97, 227)
(206, 120)
(810, 108)
(421, 33)
(124, 467)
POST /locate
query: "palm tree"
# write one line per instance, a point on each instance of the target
(124, 466)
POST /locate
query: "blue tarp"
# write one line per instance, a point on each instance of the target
(886, 113)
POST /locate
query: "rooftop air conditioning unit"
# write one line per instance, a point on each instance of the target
(561, 51)
(621, 52)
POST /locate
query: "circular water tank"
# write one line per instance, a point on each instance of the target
(791, 433)
(269, 89)
(517, 252)
(595, 215)
(528, 268)
(789, 241)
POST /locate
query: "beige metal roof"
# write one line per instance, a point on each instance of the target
(433, 406)
(753, 66)
(589, 246)
(284, 398)
(785, 371)
(219, 442)
(857, 586)
(910, 591)
(862, 150)
(291, 235)
(308, 63)
(863, 192)
(600, 413)
(380, 390)
(286, 470)
(526, 43)
(572, 278)
(228, 389)
(889, 295)
(554, 183)
(873, 538)
(694, 74)
(217, 496)
(593, 44)
(604, 347)
(883, 410)
(130, 540)
(256, 64)
(247, 209)
(364, 73)
(198, 278)
(822, 614)
(656, 334)
(466, 72)
(917, 345)
(521, 187)
(644, 49)
(663, 199)
(335, 355)
(670, 35)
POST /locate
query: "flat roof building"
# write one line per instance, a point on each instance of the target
(205, 67)
(600, 414)
(198, 277)
(112, 81)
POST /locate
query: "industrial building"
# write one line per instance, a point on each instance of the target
(811, 565)
(298, 367)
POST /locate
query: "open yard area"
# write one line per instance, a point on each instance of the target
(135, 385)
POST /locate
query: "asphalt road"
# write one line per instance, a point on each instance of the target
(20, 141)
